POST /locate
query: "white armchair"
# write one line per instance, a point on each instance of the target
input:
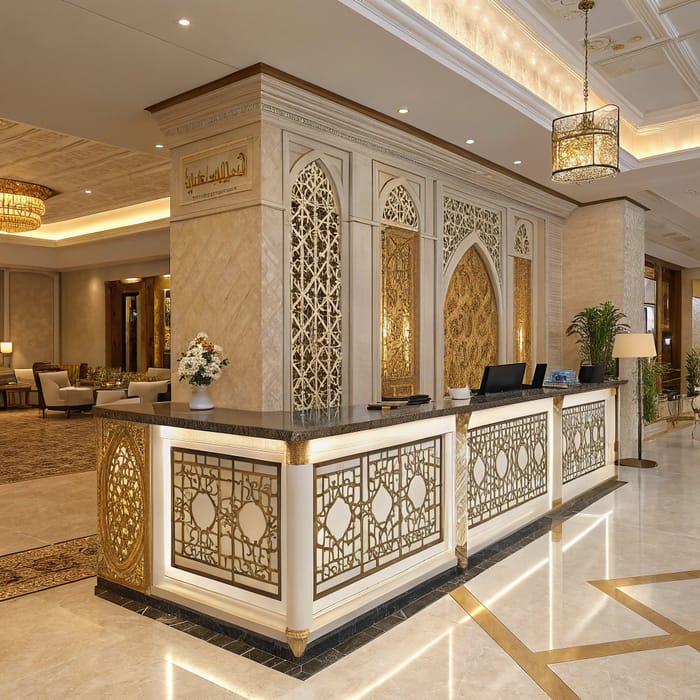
(158, 373)
(57, 394)
(148, 391)
(109, 396)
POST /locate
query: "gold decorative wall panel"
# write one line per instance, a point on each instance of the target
(400, 300)
(470, 323)
(522, 310)
(124, 504)
(460, 220)
(583, 439)
(316, 321)
(375, 509)
(521, 241)
(399, 209)
(226, 519)
(507, 465)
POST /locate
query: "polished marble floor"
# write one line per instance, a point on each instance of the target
(605, 605)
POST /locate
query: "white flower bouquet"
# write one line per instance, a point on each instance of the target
(201, 363)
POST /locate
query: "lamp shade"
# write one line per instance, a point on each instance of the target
(6, 347)
(634, 345)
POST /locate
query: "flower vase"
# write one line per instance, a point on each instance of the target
(201, 401)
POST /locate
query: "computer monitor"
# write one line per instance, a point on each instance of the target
(502, 378)
(537, 376)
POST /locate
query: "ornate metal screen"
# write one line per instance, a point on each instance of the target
(400, 366)
(226, 519)
(470, 323)
(583, 439)
(507, 465)
(462, 219)
(316, 323)
(375, 509)
(123, 497)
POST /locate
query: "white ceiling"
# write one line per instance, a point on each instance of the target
(88, 68)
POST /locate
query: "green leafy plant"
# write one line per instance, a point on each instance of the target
(596, 328)
(692, 370)
(652, 371)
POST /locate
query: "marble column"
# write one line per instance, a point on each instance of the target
(603, 260)
(226, 238)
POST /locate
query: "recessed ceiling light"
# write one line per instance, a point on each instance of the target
(87, 191)
(184, 22)
(402, 110)
(517, 162)
(160, 145)
(469, 141)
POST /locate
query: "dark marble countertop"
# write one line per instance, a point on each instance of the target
(295, 426)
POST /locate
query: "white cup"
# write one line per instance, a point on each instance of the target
(459, 392)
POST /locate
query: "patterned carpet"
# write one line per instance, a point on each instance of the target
(32, 447)
(45, 567)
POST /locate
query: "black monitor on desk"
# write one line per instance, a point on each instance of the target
(537, 376)
(498, 378)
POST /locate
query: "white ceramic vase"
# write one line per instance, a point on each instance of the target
(201, 401)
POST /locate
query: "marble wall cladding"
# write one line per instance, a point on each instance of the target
(216, 275)
(272, 303)
(603, 254)
(554, 283)
(32, 317)
(696, 322)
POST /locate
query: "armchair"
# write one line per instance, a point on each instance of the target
(57, 394)
(150, 392)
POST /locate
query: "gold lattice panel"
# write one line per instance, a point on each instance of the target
(226, 519)
(399, 209)
(506, 465)
(375, 509)
(470, 322)
(124, 504)
(315, 276)
(522, 310)
(583, 439)
(399, 312)
(461, 220)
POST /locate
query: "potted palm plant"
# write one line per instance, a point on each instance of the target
(692, 370)
(596, 328)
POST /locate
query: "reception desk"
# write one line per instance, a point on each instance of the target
(289, 524)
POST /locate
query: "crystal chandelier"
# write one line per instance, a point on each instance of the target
(585, 145)
(21, 205)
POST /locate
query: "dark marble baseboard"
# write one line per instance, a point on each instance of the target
(330, 648)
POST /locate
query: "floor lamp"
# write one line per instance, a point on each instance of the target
(636, 346)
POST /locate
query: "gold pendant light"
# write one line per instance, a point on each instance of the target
(21, 205)
(585, 146)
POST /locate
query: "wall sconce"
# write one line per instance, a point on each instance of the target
(5, 349)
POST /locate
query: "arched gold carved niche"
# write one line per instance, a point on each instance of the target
(471, 322)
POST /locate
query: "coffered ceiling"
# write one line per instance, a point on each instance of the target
(81, 73)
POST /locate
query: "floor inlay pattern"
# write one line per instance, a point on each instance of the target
(359, 632)
(538, 664)
(49, 446)
(45, 567)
